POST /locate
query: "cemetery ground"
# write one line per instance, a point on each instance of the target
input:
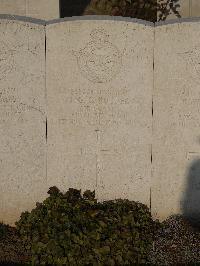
(177, 243)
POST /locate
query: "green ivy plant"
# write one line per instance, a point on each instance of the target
(72, 229)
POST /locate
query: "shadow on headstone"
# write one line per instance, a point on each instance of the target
(190, 204)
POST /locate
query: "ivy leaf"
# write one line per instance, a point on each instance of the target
(104, 250)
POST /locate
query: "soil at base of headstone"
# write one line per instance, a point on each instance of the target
(177, 243)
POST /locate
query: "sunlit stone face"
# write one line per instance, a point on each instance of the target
(100, 60)
(6, 59)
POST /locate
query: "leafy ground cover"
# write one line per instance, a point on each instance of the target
(175, 242)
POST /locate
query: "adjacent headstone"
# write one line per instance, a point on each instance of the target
(40, 9)
(195, 8)
(176, 120)
(99, 83)
(43, 9)
(184, 9)
(13, 7)
(22, 117)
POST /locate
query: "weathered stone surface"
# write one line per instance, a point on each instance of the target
(40, 9)
(99, 82)
(195, 8)
(16, 7)
(176, 120)
(22, 117)
(43, 9)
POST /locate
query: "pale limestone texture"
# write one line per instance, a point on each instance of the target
(22, 118)
(195, 8)
(40, 9)
(14, 7)
(99, 83)
(176, 120)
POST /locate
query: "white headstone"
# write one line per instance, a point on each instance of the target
(23, 117)
(40, 9)
(99, 82)
(176, 119)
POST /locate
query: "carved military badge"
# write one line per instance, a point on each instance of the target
(100, 60)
